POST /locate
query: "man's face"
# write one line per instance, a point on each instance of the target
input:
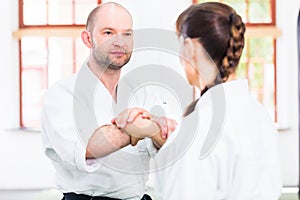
(112, 38)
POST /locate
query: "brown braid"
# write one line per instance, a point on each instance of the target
(220, 31)
(235, 46)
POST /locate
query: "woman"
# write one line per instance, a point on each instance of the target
(243, 163)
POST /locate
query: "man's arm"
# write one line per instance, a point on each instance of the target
(109, 138)
(105, 140)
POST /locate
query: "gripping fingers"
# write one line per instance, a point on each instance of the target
(121, 120)
(135, 112)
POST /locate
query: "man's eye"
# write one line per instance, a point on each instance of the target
(128, 34)
(108, 33)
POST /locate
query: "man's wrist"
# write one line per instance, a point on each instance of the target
(121, 134)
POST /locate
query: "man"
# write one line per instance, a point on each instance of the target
(89, 158)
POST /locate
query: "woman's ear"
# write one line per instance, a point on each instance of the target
(188, 60)
(188, 50)
(86, 38)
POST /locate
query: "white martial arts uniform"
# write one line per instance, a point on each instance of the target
(120, 174)
(243, 164)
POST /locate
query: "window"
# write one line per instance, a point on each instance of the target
(50, 48)
(258, 62)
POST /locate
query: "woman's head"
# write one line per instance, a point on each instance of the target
(219, 30)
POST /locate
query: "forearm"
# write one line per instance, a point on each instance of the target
(105, 140)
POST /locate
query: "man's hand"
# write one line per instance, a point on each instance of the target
(139, 123)
(129, 115)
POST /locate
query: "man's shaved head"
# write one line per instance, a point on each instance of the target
(92, 16)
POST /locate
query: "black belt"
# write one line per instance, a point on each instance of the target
(74, 196)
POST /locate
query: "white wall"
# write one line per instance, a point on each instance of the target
(287, 95)
(162, 14)
(9, 71)
(158, 15)
(154, 13)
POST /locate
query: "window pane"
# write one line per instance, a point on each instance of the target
(32, 93)
(57, 12)
(256, 73)
(239, 6)
(45, 61)
(81, 53)
(35, 12)
(34, 78)
(262, 76)
(60, 12)
(34, 51)
(258, 66)
(241, 71)
(262, 48)
(260, 11)
(61, 62)
(269, 89)
(82, 9)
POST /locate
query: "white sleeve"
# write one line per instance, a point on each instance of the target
(61, 142)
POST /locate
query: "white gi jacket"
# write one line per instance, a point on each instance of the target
(121, 174)
(242, 164)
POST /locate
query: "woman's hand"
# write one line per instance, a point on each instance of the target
(166, 125)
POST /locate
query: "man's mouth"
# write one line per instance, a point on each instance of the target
(118, 53)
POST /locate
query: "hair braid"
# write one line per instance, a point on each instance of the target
(235, 46)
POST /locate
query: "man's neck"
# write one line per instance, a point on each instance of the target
(108, 77)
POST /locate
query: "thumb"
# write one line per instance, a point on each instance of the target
(134, 140)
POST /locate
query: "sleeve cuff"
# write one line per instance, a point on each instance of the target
(90, 165)
(152, 150)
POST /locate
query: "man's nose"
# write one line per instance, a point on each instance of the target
(119, 41)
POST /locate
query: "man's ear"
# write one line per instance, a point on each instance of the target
(86, 38)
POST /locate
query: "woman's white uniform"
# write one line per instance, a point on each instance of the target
(243, 163)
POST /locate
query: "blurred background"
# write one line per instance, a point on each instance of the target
(40, 44)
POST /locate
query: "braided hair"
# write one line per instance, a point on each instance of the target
(235, 46)
(219, 29)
